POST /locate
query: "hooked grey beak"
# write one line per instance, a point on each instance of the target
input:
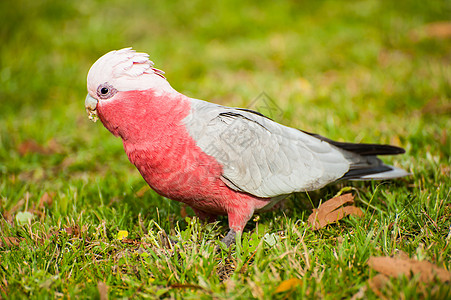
(91, 106)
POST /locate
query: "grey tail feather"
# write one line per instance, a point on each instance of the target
(357, 173)
(390, 172)
(364, 163)
(370, 167)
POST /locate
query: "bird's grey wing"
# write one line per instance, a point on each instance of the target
(262, 157)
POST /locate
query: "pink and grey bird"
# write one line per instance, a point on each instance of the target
(218, 160)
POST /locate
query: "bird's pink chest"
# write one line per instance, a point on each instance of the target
(176, 168)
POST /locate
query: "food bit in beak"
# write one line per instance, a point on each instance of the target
(91, 108)
(92, 114)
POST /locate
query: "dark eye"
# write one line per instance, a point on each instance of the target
(106, 91)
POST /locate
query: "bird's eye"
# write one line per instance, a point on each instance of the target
(106, 91)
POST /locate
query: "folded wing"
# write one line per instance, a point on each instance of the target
(262, 157)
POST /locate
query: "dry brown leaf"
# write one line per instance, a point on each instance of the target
(288, 285)
(333, 210)
(440, 30)
(73, 230)
(7, 216)
(183, 212)
(46, 198)
(435, 30)
(103, 290)
(435, 106)
(31, 146)
(443, 140)
(9, 241)
(130, 241)
(394, 267)
(342, 212)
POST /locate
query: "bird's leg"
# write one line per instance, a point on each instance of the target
(229, 239)
(237, 221)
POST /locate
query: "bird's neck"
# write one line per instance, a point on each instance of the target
(143, 117)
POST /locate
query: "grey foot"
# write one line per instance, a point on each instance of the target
(229, 239)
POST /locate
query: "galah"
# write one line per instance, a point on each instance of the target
(218, 160)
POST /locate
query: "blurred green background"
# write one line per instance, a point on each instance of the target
(360, 71)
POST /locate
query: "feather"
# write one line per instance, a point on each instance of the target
(262, 157)
(360, 148)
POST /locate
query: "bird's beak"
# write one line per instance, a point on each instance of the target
(91, 106)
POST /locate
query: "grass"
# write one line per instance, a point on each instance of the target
(366, 71)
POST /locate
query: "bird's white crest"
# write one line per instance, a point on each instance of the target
(126, 70)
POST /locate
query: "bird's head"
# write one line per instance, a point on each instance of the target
(121, 71)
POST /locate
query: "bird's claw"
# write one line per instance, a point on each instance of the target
(229, 239)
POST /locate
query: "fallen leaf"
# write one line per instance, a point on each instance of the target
(31, 146)
(395, 267)
(7, 216)
(435, 30)
(436, 107)
(122, 234)
(129, 241)
(440, 30)
(103, 290)
(183, 212)
(333, 210)
(73, 230)
(443, 140)
(288, 285)
(46, 199)
(9, 241)
(23, 217)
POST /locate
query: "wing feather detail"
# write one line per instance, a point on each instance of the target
(260, 156)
